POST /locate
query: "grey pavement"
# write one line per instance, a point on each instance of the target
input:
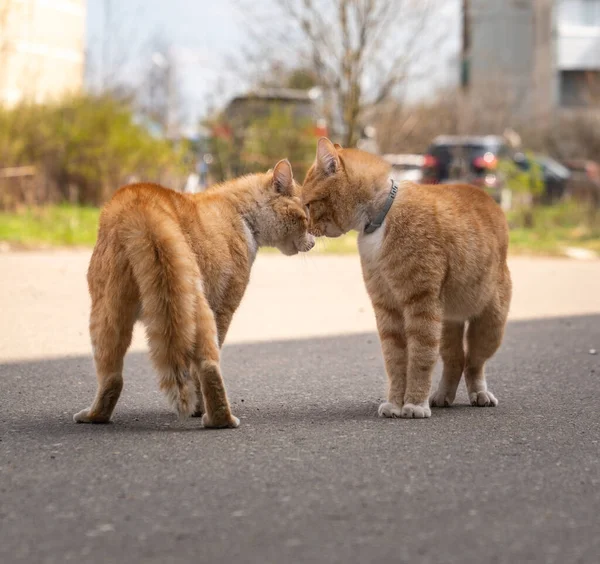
(311, 475)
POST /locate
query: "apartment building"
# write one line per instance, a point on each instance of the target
(578, 53)
(542, 56)
(42, 49)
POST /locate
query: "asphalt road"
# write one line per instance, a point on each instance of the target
(311, 475)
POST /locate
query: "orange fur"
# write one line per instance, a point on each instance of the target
(436, 265)
(181, 264)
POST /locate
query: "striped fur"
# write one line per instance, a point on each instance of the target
(181, 263)
(436, 273)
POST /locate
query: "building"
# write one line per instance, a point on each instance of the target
(302, 104)
(578, 53)
(299, 110)
(540, 56)
(42, 49)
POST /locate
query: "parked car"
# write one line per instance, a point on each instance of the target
(406, 167)
(556, 178)
(486, 161)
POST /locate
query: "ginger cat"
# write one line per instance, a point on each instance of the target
(434, 264)
(181, 264)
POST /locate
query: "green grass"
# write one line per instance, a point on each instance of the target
(537, 242)
(555, 228)
(61, 226)
(72, 226)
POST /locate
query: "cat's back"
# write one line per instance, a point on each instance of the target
(465, 201)
(133, 207)
(132, 198)
(452, 215)
(455, 199)
(199, 229)
(199, 216)
(452, 235)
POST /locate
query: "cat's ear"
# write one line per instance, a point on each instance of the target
(337, 146)
(328, 161)
(283, 178)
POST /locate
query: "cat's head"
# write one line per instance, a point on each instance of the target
(284, 221)
(338, 187)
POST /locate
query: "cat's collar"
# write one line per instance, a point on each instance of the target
(376, 223)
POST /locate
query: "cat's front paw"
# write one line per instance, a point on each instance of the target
(220, 421)
(483, 399)
(416, 411)
(389, 409)
(84, 416)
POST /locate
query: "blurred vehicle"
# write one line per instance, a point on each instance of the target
(406, 167)
(584, 184)
(556, 179)
(486, 161)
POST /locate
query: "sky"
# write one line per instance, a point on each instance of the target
(203, 35)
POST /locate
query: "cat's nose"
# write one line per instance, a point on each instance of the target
(310, 243)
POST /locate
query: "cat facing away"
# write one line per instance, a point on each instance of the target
(434, 266)
(181, 263)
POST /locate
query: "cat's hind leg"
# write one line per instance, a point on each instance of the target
(222, 320)
(206, 370)
(484, 335)
(453, 355)
(113, 315)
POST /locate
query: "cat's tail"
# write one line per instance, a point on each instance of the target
(169, 282)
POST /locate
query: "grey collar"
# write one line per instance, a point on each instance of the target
(376, 223)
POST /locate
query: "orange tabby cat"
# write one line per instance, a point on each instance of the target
(181, 264)
(434, 261)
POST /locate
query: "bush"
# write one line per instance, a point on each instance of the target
(261, 143)
(82, 149)
(278, 136)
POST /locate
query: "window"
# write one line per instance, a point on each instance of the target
(579, 12)
(579, 88)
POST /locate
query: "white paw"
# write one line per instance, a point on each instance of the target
(441, 398)
(416, 411)
(231, 422)
(84, 417)
(483, 399)
(389, 409)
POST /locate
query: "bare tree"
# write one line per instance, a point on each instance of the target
(158, 94)
(361, 51)
(411, 127)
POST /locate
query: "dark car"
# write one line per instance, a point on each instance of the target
(556, 178)
(484, 161)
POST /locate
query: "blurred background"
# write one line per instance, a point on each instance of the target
(98, 93)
